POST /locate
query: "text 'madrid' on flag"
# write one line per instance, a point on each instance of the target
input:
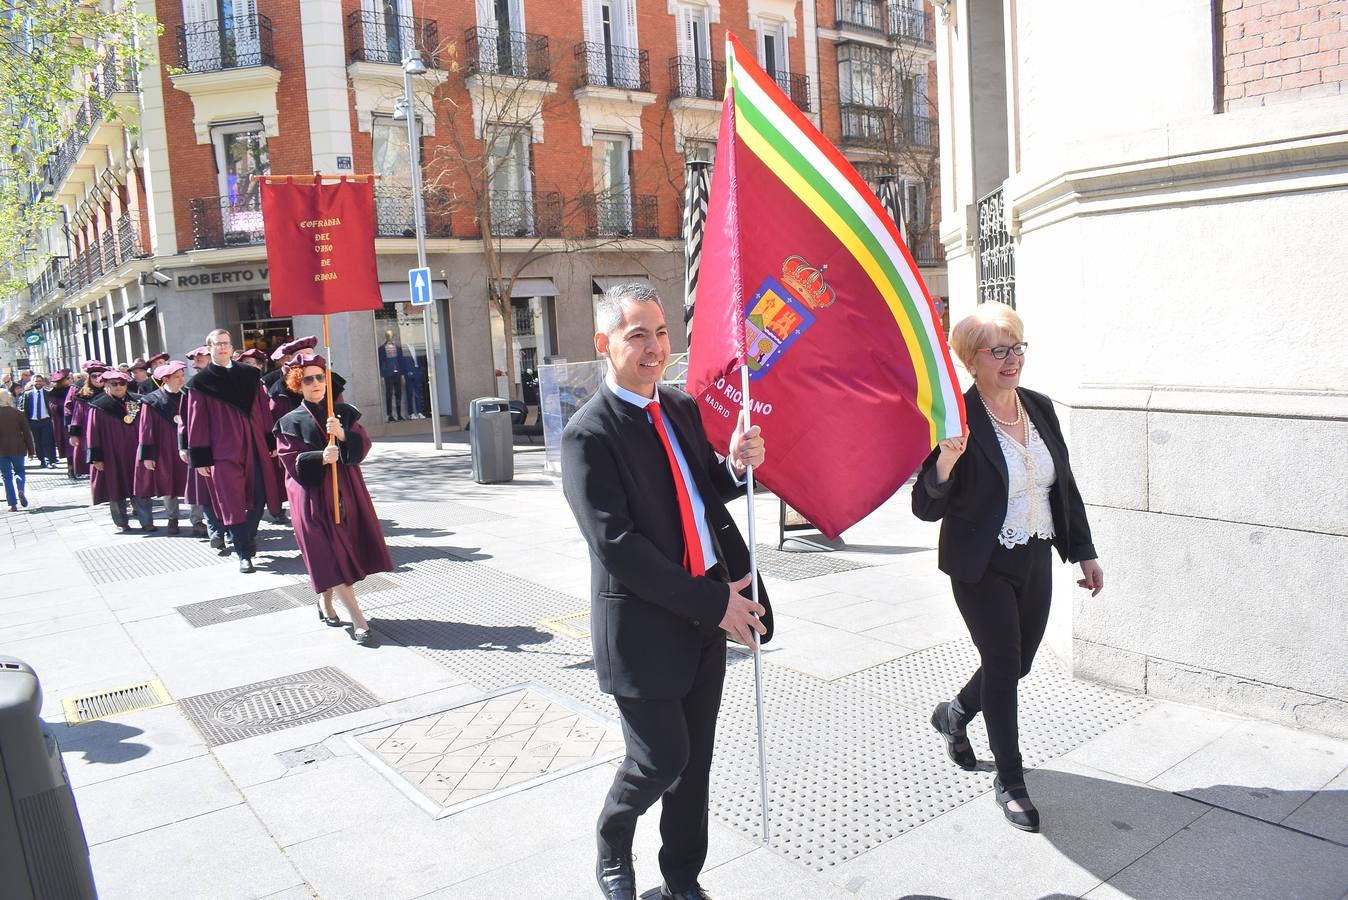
(805, 280)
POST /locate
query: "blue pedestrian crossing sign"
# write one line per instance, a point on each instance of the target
(420, 282)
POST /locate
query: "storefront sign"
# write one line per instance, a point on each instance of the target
(323, 237)
(232, 278)
(32, 338)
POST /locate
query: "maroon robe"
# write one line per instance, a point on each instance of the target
(229, 429)
(77, 412)
(158, 441)
(56, 410)
(334, 554)
(111, 440)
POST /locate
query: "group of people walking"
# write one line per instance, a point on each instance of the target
(670, 571)
(232, 442)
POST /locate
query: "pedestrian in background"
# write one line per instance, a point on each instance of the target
(56, 398)
(1003, 508)
(337, 555)
(37, 410)
(16, 443)
(110, 445)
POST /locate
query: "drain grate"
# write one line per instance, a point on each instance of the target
(257, 603)
(785, 566)
(476, 752)
(266, 706)
(575, 625)
(91, 707)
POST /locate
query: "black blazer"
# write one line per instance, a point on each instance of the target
(648, 616)
(972, 503)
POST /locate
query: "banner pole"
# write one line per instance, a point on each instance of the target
(327, 375)
(758, 655)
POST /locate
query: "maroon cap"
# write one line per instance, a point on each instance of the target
(60, 375)
(295, 346)
(254, 353)
(139, 363)
(93, 365)
(198, 351)
(304, 360)
(158, 359)
(114, 376)
(167, 369)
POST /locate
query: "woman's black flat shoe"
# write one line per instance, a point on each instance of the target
(1027, 820)
(957, 745)
(330, 621)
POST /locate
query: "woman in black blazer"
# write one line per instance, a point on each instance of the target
(1003, 508)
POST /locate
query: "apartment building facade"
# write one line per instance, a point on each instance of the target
(1169, 226)
(564, 128)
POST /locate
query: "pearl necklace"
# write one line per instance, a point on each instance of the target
(1020, 413)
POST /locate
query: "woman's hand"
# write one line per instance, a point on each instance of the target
(148, 464)
(951, 450)
(98, 467)
(1094, 580)
(331, 453)
(335, 428)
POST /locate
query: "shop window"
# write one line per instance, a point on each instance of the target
(400, 358)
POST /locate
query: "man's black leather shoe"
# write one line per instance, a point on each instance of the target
(617, 878)
(693, 893)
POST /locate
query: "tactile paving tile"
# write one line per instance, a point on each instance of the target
(787, 566)
(257, 603)
(143, 555)
(266, 706)
(478, 751)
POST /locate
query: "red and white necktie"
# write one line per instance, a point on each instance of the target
(693, 560)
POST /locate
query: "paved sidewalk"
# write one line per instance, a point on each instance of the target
(467, 756)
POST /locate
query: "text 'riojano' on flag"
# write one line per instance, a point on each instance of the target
(805, 280)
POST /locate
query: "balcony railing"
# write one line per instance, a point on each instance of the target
(696, 78)
(620, 215)
(379, 37)
(116, 76)
(604, 65)
(797, 87)
(524, 321)
(45, 286)
(866, 14)
(61, 158)
(492, 51)
(996, 252)
(877, 127)
(526, 214)
(927, 250)
(225, 222)
(395, 217)
(129, 245)
(233, 43)
(910, 25)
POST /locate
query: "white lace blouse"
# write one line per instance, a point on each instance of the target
(1031, 474)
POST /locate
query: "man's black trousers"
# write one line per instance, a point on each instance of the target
(669, 750)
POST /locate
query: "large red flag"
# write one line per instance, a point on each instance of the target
(320, 246)
(805, 280)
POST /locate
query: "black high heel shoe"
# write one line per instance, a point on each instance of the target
(949, 719)
(330, 621)
(1027, 820)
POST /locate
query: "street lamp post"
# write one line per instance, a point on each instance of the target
(413, 65)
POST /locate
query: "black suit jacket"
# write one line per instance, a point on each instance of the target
(971, 505)
(649, 618)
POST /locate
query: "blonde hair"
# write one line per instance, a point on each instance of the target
(6, 398)
(982, 328)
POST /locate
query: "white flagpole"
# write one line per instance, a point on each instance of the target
(758, 656)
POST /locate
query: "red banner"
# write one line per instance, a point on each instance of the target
(320, 247)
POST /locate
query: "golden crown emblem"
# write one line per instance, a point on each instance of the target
(807, 282)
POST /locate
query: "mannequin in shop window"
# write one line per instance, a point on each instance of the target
(413, 378)
(391, 370)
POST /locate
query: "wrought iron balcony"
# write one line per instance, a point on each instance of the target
(696, 78)
(380, 37)
(910, 25)
(226, 222)
(46, 285)
(868, 15)
(878, 127)
(620, 215)
(116, 76)
(927, 250)
(129, 244)
(236, 42)
(604, 65)
(493, 51)
(797, 87)
(395, 216)
(526, 214)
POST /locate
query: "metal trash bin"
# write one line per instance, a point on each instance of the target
(492, 440)
(43, 852)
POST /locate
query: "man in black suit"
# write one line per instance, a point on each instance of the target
(668, 566)
(36, 408)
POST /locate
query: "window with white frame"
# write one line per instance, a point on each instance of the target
(696, 70)
(864, 75)
(772, 54)
(611, 169)
(509, 182)
(221, 34)
(240, 157)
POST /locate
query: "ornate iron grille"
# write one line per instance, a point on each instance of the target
(910, 25)
(620, 215)
(693, 77)
(603, 65)
(232, 43)
(867, 14)
(492, 51)
(381, 37)
(996, 252)
(222, 222)
(394, 216)
(526, 214)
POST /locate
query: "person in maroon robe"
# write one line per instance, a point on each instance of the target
(229, 442)
(281, 399)
(110, 448)
(160, 471)
(76, 408)
(337, 555)
(204, 522)
(56, 398)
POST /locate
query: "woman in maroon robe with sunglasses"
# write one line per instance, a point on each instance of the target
(337, 555)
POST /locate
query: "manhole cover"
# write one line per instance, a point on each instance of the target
(503, 743)
(784, 566)
(253, 709)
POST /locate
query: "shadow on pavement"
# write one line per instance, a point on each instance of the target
(438, 635)
(102, 741)
(403, 557)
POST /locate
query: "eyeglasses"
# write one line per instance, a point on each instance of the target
(315, 379)
(1001, 352)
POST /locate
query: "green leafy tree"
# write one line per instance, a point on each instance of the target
(49, 49)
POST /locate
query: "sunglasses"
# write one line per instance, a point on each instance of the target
(314, 379)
